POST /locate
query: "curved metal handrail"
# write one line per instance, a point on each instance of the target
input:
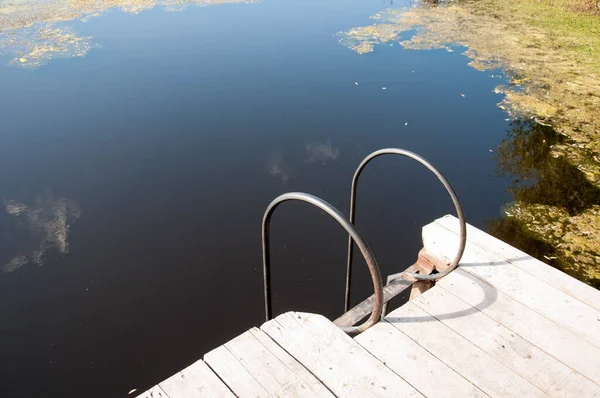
(445, 183)
(354, 235)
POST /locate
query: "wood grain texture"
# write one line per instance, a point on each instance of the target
(413, 363)
(196, 381)
(234, 374)
(478, 367)
(339, 362)
(562, 344)
(518, 354)
(523, 261)
(521, 286)
(273, 368)
(314, 385)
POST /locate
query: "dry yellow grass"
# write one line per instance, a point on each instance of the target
(550, 51)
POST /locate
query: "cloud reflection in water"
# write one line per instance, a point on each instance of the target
(36, 229)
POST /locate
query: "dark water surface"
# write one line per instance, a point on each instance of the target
(137, 177)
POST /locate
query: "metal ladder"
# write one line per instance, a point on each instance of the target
(395, 284)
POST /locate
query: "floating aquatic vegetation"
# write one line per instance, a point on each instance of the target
(40, 227)
(551, 56)
(554, 77)
(33, 32)
(569, 242)
(363, 39)
(556, 210)
(34, 47)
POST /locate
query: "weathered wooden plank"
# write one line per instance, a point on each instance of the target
(233, 374)
(420, 287)
(195, 381)
(345, 367)
(275, 373)
(548, 301)
(154, 392)
(315, 386)
(364, 309)
(550, 337)
(462, 356)
(523, 261)
(413, 363)
(520, 355)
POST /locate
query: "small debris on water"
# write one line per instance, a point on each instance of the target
(356, 83)
(462, 95)
(23, 60)
(406, 124)
(491, 150)
(132, 391)
(384, 88)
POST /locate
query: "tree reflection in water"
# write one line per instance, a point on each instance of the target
(555, 215)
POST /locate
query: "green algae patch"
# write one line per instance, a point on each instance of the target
(555, 215)
(550, 52)
(567, 242)
(34, 32)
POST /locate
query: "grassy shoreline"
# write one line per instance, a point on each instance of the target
(550, 51)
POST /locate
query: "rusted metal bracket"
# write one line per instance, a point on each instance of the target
(449, 189)
(356, 314)
(426, 264)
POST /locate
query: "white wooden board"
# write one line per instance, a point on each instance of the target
(338, 361)
(485, 372)
(550, 337)
(413, 363)
(548, 301)
(233, 373)
(523, 261)
(195, 381)
(518, 354)
(314, 385)
(154, 392)
(276, 371)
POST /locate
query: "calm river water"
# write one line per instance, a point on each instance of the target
(140, 146)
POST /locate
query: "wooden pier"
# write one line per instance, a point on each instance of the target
(503, 324)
